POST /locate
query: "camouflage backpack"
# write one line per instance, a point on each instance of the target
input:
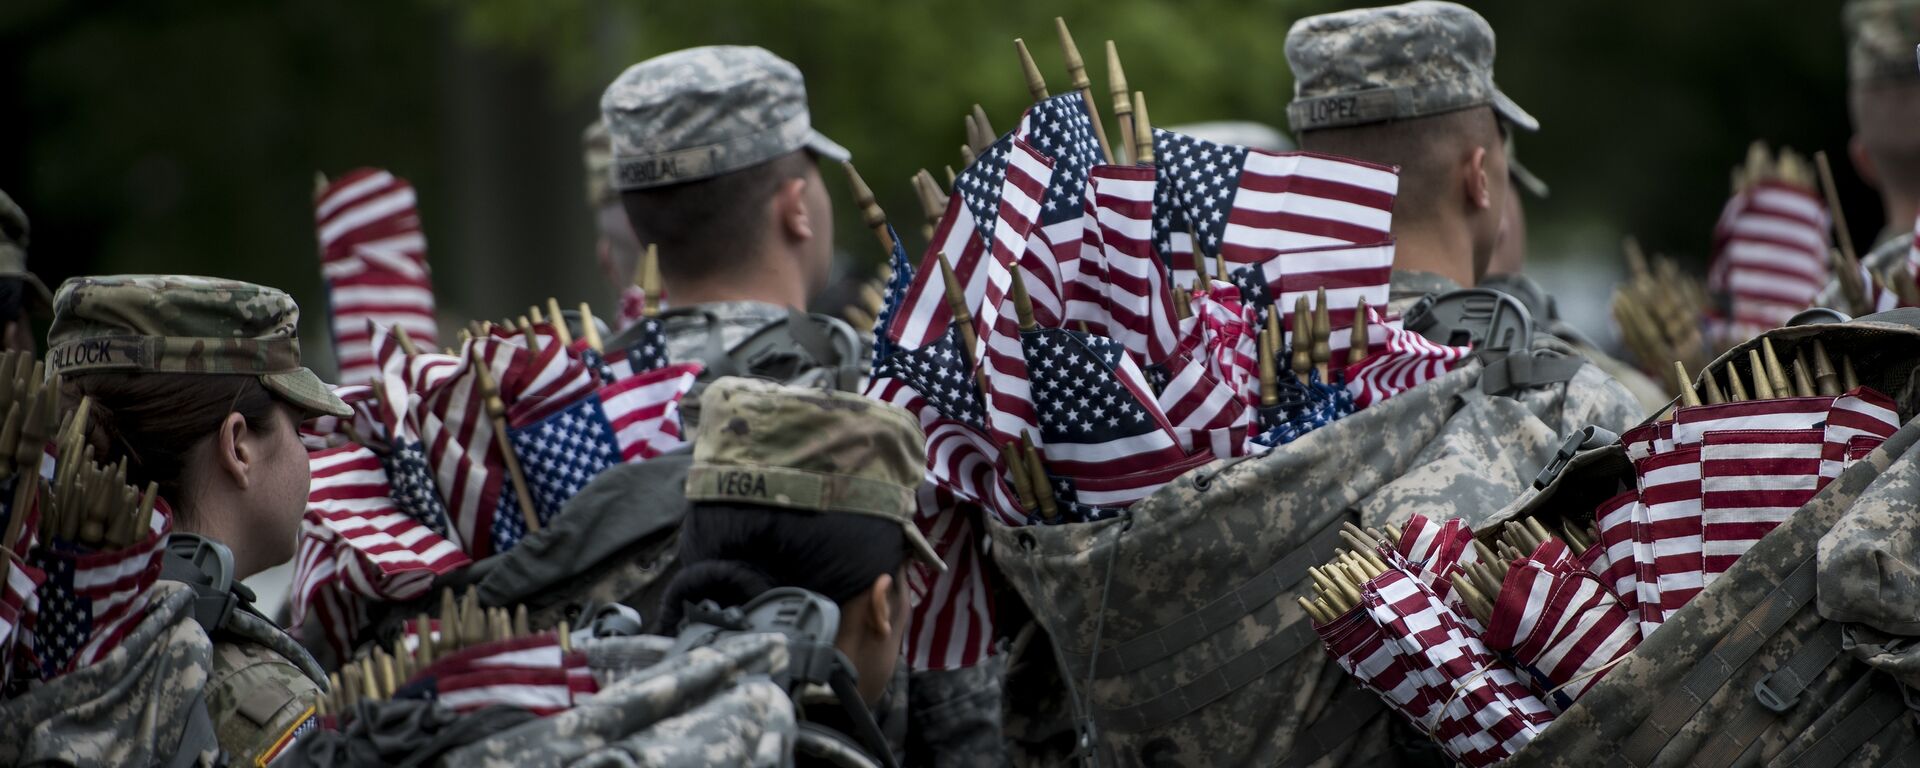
(1173, 636)
(1802, 652)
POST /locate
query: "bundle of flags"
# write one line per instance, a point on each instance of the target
(1541, 611)
(468, 659)
(1060, 367)
(1770, 244)
(454, 456)
(374, 259)
(1718, 475)
(79, 548)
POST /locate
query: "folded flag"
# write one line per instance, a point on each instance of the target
(1405, 360)
(530, 673)
(90, 599)
(1770, 254)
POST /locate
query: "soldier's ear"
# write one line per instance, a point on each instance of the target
(1863, 162)
(1479, 186)
(233, 456)
(790, 205)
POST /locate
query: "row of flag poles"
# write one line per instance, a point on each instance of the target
(1481, 642)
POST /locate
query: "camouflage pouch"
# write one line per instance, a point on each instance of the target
(1173, 627)
(1773, 663)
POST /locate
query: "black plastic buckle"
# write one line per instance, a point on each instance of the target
(1772, 699)
(1569, 448)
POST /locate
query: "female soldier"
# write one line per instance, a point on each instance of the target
(796, 487)
(197, 384)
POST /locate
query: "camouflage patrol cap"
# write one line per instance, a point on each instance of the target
(13, 254)
(791, 447)
(703, 112)
(184, 324)
(596, 150)
(1881, 35)
(1372, 65)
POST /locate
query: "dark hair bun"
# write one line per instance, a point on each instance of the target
(726, 582)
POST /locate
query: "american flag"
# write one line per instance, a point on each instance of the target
(356, 541)
(633, 303)
(374, 259)
(413, 489)
(19, 607)
(1858, 422)
(1437, 550)
(939, 377)
(1485, 713)
(899, 281)
(1207, 415)
(1100, 424)
(459, 436)
(89, 600)
(645, 352)
(1561, 623)
(530, 673)
(951, 626)
(1405, 360)
(1349, 273)
(1668, 539)
(1122, 268)
(1360, 647)
(1614, 518)
(1750, 482)
(633, 419)
(1770, 254)
(1247, 204)
(1009, 400)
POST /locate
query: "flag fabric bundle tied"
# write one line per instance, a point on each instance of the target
(374, 259)
(1770, 244)
(454, 456)
(1382, 623)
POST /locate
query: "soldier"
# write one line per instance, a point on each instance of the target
(21, 292)
(1412, 85)
(196, 384)
(806, 488)
(617, 247)
(1505, 273)
(717, 163)
(1883, 96)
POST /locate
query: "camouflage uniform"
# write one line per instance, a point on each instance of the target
(263, 686)
(1881, 35)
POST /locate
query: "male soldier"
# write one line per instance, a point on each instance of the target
(1412, 85)
(717, 163)
(1505, 273)
(21, 292)
(1883, 96)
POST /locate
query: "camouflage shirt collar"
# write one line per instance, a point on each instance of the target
(755, 312)
(1413, 283)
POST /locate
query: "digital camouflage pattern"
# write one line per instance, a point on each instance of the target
(1408, 286)
(184, 324)
(1546, 316)
(815, 450)
(14, 234)
(1889, 252)
(1372, 65)
(702, 112)
(257, 697)
(1206, 657)
(714, 705)
(954, 716)
(1881, 35)
(130, 708)
(1859, 533)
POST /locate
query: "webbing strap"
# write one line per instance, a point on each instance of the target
(1908, 758)
(1215, 683)
(198, 737)
(1336, 726)
(1864, 723)
(1252, 595)
(1712, 672)
(1775, 694)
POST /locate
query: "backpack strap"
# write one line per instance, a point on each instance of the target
(1262, 591)
(1777, 694)
(1865, 724)
(1678, 706)
(1336, 727)
(198, 737)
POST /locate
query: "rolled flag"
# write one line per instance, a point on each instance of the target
(19, 605)
(532, 673)
(1560, 623)
(1618, 569)
(374, 259)
(1667, 534)
(1348, 273)
(1360, 647)
(952, 622)
(1770, 254)
(1751, 481)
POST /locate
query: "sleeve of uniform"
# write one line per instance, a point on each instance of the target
(260, 703)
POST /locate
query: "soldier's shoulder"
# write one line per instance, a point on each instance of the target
(259, 700)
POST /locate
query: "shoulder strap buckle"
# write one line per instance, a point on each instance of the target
(1525, 369)
(1588, 438)
(1487, 320)
(206, 566)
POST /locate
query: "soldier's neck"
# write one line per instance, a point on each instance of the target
(1442, 250)
(770, 285)
(1900, 213)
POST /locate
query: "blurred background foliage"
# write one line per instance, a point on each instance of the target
(177, 136)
